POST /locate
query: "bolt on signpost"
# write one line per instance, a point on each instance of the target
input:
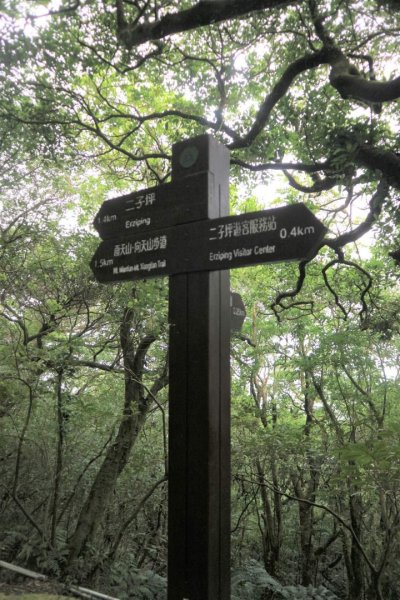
(183, 229)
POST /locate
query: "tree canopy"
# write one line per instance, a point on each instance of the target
(305, 94)
(304, 89)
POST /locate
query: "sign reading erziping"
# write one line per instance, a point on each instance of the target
(150, 209)
(280, 234)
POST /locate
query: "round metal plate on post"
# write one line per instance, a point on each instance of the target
(188, 157)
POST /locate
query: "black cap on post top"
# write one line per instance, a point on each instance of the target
(204, 153)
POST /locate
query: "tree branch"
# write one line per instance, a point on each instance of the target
(328, 510)
(205, 12)
(345, 77)
(353, 85)
(133, 516)
(342, 261)
(381, 159)
(28, 516)
(305, 63)
(336, 244)
(91, 364)
(318, 186)
(375, 204)
(291, 293)
(280, 166)
(61, 11)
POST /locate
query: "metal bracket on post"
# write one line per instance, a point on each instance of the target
(199, 403)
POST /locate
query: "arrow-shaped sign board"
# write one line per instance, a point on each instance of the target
(279, 234)
(155, 208)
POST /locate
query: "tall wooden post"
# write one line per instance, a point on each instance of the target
(199, 403)
(193, 242)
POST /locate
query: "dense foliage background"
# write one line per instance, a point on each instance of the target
(304, 93)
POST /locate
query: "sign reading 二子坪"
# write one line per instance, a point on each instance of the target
(153, 208)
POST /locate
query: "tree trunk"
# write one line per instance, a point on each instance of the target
(374, 591)
(59, 459)
(104, 484)
(272, 534)
(271, 503)
(308, 562)
(306, 485)
(356, 580)
(135, 411)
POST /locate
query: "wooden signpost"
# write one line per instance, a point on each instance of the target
(183, 229)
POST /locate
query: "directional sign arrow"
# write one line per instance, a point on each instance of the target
(156, 207)
(275, 235)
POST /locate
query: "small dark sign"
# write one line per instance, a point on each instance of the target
(238, 312)
(275, 235)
